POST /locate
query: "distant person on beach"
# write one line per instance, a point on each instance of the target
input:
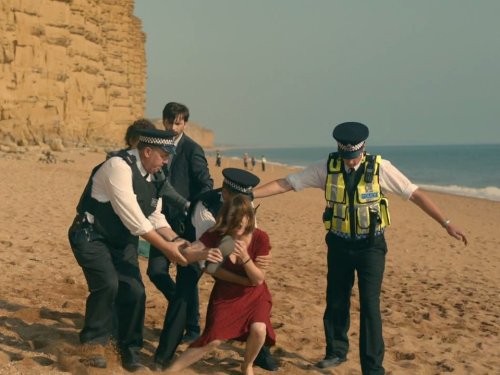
(218, 159)
(121, 202)
(188, 173)
(245, 160)
(355, 217)
(263, 162)
(238, 310)
(253, 161)
(203, 213)
(168, 193)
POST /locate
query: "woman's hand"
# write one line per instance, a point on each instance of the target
(214, 255)
(240, 250)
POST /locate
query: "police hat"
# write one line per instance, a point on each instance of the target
(350, 137)
(158, 138)
(239, 180)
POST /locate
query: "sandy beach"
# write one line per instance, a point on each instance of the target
(440, 300)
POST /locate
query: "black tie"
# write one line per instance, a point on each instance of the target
(350, 177)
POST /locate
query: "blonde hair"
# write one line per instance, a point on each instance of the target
(232, 213)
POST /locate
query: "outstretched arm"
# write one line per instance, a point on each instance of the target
(171, 250)
(272, 188)
(427, 205)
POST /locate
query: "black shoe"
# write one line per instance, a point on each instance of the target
(130, 360)
(265, 360)
(189, 337)
(331, 361)
(133, 366)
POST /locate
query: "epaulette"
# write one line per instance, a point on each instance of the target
(129, 158)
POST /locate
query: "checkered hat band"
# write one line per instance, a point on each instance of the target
(157, 141)
(237, 187)
(350, 147)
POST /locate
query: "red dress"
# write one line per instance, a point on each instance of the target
(232, 308)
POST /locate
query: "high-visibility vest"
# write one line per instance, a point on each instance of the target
(349, 213)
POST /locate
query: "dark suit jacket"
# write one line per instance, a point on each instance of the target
(188, 173)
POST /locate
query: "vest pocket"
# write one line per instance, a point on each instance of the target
(335, 216)
(363, 219)
(384, 211)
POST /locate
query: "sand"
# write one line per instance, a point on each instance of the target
(440, 299)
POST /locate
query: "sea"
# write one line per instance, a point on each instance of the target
(466, 170)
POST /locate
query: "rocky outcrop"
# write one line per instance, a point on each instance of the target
(204, 137)
(72, 70)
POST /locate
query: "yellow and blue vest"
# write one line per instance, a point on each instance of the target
(354, 212)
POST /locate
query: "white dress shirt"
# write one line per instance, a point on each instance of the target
(113, 183)
(202, 219)
(390, 178)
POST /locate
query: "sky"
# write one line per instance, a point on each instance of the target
(283, 73)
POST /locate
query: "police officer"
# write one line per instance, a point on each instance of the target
(121, 202)
(203, 212)
(355, 217)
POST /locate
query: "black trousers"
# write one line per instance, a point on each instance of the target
(158, 267)
(345, 258)
(117, 300)
(175, 318)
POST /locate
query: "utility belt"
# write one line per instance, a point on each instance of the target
(82, 231)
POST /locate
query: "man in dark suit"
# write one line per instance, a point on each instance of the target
(189, 175)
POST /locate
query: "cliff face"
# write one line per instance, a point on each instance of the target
(204, 137)
(70, 69)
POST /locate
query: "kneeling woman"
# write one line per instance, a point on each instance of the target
(238, 310)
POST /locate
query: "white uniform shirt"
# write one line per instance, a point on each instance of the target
(113, 183)
(390, 178)
(202, 219)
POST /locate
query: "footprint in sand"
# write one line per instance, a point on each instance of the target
(401, 356)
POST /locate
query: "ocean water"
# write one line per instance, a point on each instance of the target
(469, 170)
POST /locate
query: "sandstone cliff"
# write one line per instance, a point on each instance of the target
(72, 72)
(70, 69)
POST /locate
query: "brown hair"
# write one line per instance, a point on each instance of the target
(132, 134)
(173, 109)
(232, 213)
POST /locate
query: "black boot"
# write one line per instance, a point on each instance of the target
(265, 360)
(130, 359)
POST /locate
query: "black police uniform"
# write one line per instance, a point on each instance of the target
(107, 253)
(345, 257)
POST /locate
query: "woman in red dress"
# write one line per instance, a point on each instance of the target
(238, 310)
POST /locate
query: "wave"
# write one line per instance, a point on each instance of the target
(491, 193)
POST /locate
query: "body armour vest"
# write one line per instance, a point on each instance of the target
(356, 211)
(106, 221)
